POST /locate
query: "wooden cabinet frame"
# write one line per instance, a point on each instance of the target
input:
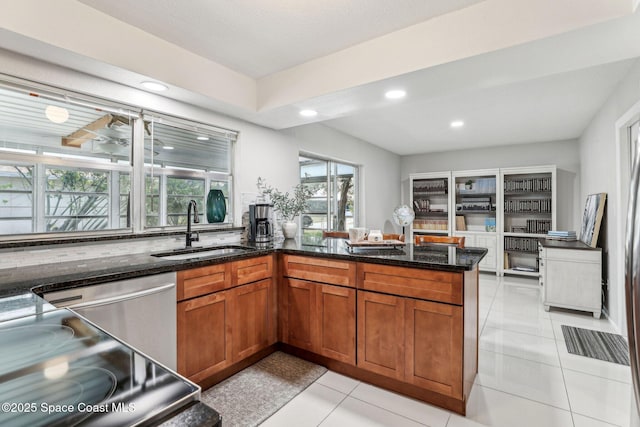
(411, 330)
(319, 318)
(226, 313)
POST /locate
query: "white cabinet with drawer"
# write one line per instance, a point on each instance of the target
(571, 276)
(487, 240)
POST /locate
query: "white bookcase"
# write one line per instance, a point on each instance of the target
(475, 211)
(431, 202)
(504, 210)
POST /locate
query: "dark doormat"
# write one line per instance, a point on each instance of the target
(254, 394)
(595, 344)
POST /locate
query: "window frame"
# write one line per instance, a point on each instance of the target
(331, 166)
(134, 167)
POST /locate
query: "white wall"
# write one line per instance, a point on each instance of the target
(259, 152)
(598, 175)
(564, 154)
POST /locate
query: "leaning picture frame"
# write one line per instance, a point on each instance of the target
(592, 218)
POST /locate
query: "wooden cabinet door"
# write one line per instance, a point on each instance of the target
(433, 341)
(381, 334)
(299, 325)
(250, 309)
(204, 342)
(336, 321)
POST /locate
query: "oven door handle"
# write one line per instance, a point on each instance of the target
(125, 297)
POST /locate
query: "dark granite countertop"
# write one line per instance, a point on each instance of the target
(431, 257)
(50, 277)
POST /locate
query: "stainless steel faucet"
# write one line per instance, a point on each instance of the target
(192, 237)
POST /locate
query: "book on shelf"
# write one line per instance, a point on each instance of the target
(527, 269)
(562, 235)
(490, 224)
(461, 224)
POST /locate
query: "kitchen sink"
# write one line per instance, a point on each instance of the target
(199, 253)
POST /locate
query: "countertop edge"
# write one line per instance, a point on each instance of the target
(149, 265)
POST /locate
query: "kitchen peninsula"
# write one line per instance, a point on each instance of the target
(402, 319)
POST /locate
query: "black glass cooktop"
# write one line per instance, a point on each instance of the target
(58, 369)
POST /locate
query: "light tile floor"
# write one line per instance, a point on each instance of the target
(526, 377)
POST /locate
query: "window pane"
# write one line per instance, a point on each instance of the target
(124, 200)
(152, 201)
(172, 146)
(46, 128)
(332, 206)
(76, 200)
(179, 192)
(16, 199)
(344, 199)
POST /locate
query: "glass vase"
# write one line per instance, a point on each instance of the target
(216, 206)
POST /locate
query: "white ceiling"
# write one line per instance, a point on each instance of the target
(258, 38)
(515, 71)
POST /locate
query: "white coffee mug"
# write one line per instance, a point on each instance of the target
(357, 234)
(375, 236)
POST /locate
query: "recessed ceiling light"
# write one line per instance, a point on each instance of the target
(202, 138)
(395, 94)
(456, 124)
(56, 114)
(158, 87)
(308, 113)
(167, 147)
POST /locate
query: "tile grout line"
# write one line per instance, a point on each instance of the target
(395, 413)
(334, 408)
(525, 359)
(564, 382)
(569, 400)
(596, 376)
(520, 332)
(521, 397)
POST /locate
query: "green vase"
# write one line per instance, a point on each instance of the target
(216, 206)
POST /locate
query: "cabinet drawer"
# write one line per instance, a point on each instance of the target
(334, 272)
(442, 286)
(578, 255)
(252, 269)
(202, 281)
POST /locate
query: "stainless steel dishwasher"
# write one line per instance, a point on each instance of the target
(139, 311)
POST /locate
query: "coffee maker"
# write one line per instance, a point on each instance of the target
(260, 227)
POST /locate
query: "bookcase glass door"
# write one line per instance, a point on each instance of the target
(431, 205)
(528, 216)
(475, 203)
